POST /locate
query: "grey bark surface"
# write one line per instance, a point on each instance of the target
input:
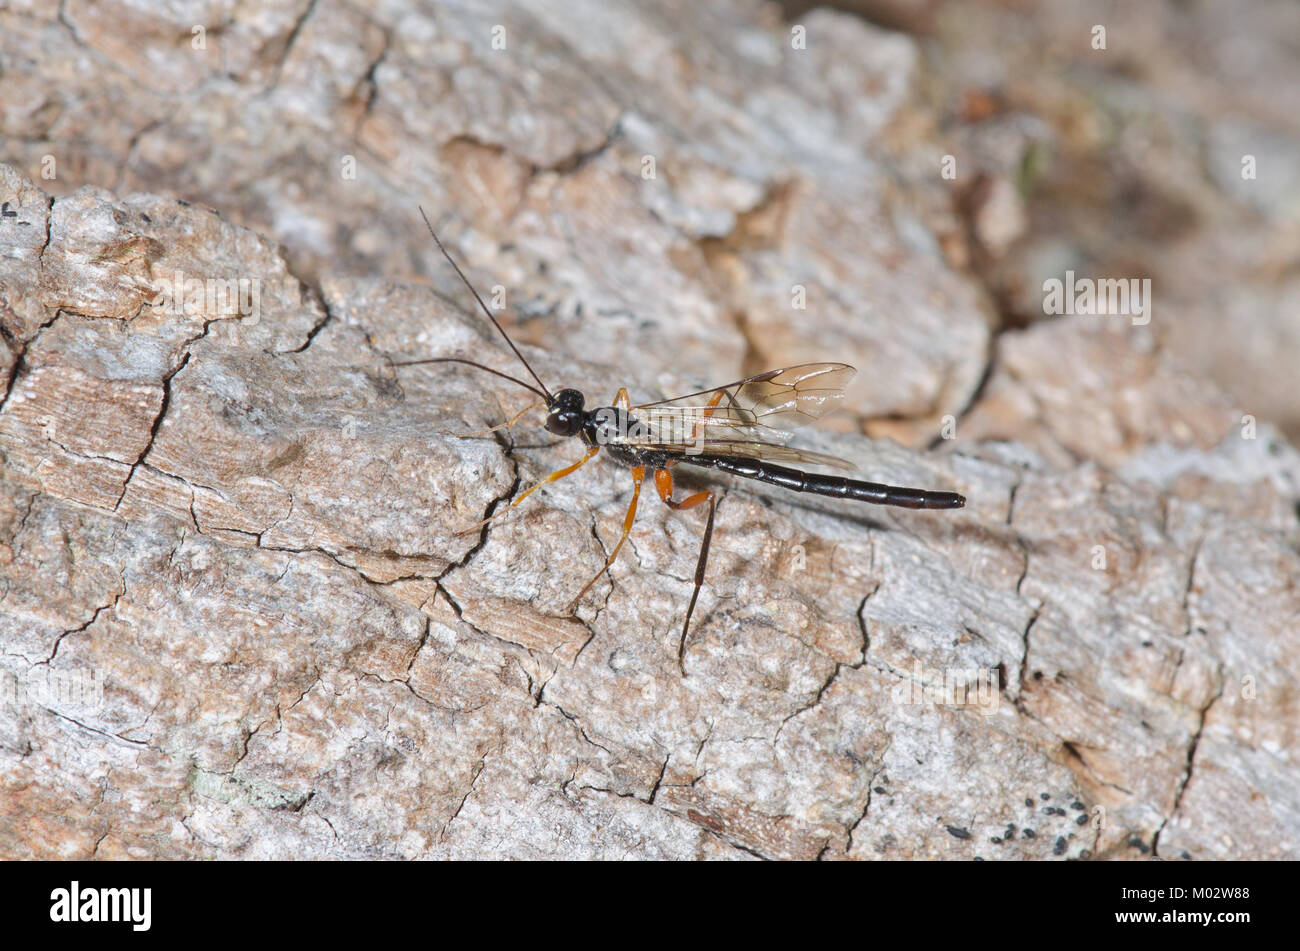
(237, 620)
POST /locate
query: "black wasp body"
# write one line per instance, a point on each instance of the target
(621, 435)
(606, 427)
(738, 428)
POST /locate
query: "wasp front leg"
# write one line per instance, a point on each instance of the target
(554, 476)
(506, 425)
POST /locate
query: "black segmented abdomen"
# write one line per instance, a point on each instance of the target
(836, 486)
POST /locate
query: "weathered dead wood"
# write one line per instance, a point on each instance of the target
(240, 526)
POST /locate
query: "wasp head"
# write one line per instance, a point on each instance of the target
(566, 414)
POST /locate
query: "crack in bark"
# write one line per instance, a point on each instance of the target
(507, 451)
(1191, 761)
(143, 723)
(591, 626)
(248, 736)
(866, 806)
(991, 354)
(1024, 658)
(1024, 570)
(319, 325)
(659, 780)
(507, 447)
(424, 639)
(54, 651)
(817, 698)
(98, 842)
(156, 426)
(750, 850)
(49, 230)
(488, 635)
(109, 736)
(324, 818)
(576, 160)
(67, 24)
(369, 79)
(572, 719)
(288, 46)
(1072, 748)
(862, 620)
(602, 789)
(20, 360)
(90, 457)
(406, 682)
(482, 762)
(302, 696)
(1187, 591)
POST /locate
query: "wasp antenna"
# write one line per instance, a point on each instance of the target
(433, 234)
(504, 376)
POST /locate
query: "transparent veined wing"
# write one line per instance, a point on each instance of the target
(766, 407)
(750, 417)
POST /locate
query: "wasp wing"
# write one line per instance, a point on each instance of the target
(767, 406)
(750, 417)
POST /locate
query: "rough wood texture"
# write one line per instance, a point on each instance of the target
(236, 620)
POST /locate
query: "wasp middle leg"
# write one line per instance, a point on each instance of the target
(638, 475)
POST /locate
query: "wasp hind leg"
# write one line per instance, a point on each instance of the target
(664, 485)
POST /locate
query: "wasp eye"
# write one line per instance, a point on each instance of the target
(564, 423)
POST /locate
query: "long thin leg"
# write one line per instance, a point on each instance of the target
(557, 474)
(664, 485)
(510, 422)
(638, 475)
(708, 411)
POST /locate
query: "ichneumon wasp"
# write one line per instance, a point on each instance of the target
(737, 428)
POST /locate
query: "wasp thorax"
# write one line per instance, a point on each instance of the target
(566, 414)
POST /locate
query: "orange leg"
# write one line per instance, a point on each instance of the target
(664, 485)
(622, 399)
(513, 419)
(638, 474)
(708, 411)
(557, 474)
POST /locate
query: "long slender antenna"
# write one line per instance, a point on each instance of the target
(506, 376)
(434, 235)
